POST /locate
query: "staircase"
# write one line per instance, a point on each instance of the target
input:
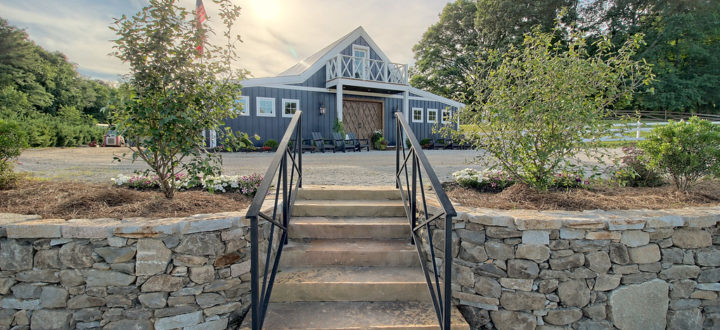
(349, 265)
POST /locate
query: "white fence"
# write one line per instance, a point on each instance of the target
(631, 131)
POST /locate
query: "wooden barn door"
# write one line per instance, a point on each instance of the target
(363, 117)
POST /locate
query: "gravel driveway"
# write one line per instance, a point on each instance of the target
(352, 168)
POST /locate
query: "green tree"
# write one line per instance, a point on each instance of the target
(446, 52)
(535, 104)
(177, 92)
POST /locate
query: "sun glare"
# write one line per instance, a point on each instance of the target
(265, 10)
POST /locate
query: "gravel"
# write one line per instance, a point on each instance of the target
(352, 168)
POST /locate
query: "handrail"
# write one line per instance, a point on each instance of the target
(414, 160)
(278, 167)
(345, 66)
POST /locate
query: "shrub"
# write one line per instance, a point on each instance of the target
(237, 141)
(634, 170)
(12, 140)
(684, 150)
(425, 142)
(272, 144)
(535, 105)
(488, 181)
(243, 184)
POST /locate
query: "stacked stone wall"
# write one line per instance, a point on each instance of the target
(634, 269)
(189, 273)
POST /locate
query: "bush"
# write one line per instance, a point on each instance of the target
(12, 140)
(272, 144)
(425, 142)
(487, 181)
(684, 150)
(634, 171)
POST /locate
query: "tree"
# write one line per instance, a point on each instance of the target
(446, 52)
(449, 49)
(177, 91)
(535, 104)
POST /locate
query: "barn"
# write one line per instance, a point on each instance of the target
(351, 81)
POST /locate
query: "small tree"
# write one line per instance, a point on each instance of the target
(684, 150)
(178, 89)
(537, 104)
(12, 140)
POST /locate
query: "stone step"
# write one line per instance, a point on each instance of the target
(322, 192)
(355, 315)
(352, 227)
(348, 208)
(350, 284)
(350, 252)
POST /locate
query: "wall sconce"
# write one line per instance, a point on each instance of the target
(322, 108)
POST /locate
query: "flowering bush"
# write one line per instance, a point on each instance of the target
(634, 171)
(244, 184)
(496, 181)
(491, 181)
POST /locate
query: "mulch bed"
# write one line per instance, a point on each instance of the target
(605, 197)
(71, 199)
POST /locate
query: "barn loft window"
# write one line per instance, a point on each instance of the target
(446, 116)
(432, 116)
(289, 107)
(242, 106)
(417, 115)
(265, 106)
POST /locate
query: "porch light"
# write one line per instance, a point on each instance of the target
(322, 108)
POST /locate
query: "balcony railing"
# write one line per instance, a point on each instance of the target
(344, 66)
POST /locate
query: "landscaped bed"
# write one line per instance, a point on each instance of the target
(71, 199)
(599, 196)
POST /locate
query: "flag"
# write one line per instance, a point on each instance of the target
(200, 17)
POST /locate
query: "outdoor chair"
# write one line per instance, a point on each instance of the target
(321, 143)
(359, 143)
(441, 144)
(341, 144)
(306, 145)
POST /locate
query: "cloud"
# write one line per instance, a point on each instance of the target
(273, 41)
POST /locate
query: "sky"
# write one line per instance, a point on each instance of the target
(276, 34)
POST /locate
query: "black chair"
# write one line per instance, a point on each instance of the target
(306, 145)
(359, 143)
(321, 143)
(441, 144)
(341, 144)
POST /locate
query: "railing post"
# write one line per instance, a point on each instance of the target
(254, 285)
(286, 200)
(299, 139)
(413, 200)
(397, 151)
(448, 272)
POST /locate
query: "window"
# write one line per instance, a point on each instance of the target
(432, 116)
(417, 115)
(446, 116)
(242, 106)
(289, 107)
(361, 54)
(265, 106)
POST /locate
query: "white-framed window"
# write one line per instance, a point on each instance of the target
(361, 55)
(446, 116)
(417, 115)
(265, 106)
(432, 116)
(242, 106)
(289, 107)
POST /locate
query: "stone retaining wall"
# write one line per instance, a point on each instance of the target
(191, 273)
(587, 270)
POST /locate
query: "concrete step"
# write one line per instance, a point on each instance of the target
(348, 208)
(353, 227)
(355, 315)
(350, 252)
(323, 192)
(350, 284)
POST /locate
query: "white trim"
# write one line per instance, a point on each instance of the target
(246, 108)
(259, 99)
(434, 97)
(355, 65)
(286, 101)
(367, 84)
(442, 116)
(435, 111)
(349, 39)
(422, 115)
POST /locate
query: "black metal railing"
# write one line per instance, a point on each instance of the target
(412, 159)
(280, 218)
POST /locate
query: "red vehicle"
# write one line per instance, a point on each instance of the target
(113, 139)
